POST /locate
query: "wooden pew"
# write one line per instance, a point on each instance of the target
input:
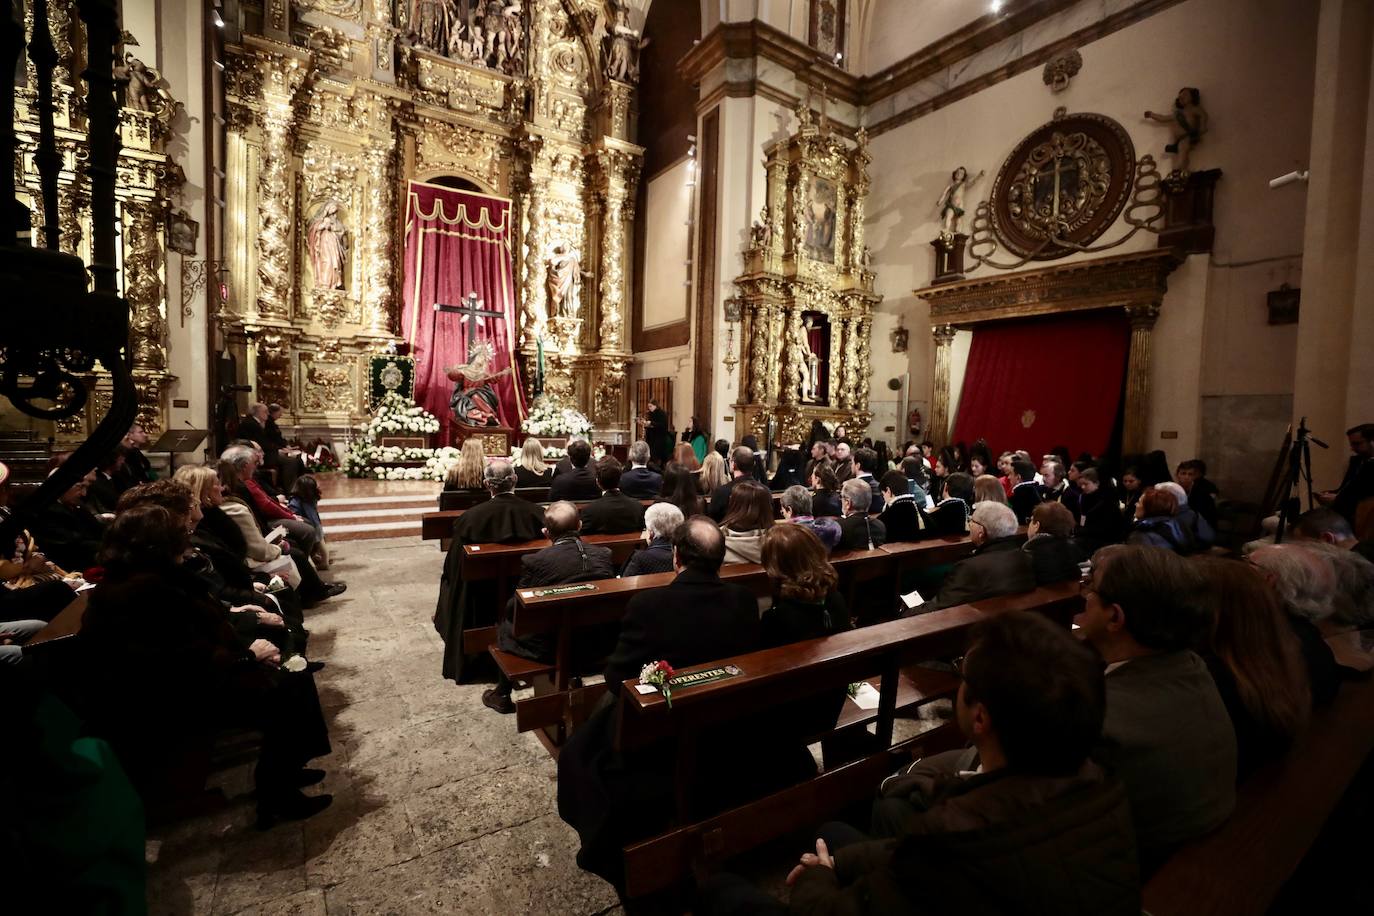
(438, 526)
(66, 624)
(502, 562)
(786, 674)
(1280, 810)
(466, 499)
(559, 705)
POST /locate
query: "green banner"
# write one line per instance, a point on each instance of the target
(390, 373)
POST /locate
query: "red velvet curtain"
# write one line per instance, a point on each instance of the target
(458, 242)
(1042, 382)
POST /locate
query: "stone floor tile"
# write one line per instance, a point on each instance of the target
(304, 903)
(258, 866)
(453, 881)
(469, 808)
(356, 839)
(536, 870)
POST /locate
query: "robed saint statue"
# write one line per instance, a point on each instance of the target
(474, 401)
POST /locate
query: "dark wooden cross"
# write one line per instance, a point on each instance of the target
(472, 310)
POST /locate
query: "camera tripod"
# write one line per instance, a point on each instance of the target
(1299, 472)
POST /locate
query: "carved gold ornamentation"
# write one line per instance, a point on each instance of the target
(327, 387)
(274, 368)
(143, 286)
(274, 215)
(805, 257)
(378, 309)
(344, 9)
(448, 147)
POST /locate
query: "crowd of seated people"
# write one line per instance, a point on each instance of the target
(1190, 672)
(194, 623)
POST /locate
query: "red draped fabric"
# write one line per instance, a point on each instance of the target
(458, 242)
(1043, 382)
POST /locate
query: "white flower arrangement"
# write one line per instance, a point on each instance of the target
(549, 419)
(396, 414)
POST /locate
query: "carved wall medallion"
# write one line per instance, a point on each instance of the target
(1059, 71)
(1069, 178)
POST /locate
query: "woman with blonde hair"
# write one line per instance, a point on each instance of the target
(467, 473)
(987, 488)
(530, 469)
(214, 491)
(712, 474)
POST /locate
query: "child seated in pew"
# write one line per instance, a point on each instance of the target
(1037, 827)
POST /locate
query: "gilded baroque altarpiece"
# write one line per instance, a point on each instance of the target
(147, 179)
(807, 263)
(335, 104)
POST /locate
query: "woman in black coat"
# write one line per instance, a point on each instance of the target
(164, 665)
(1049, 541)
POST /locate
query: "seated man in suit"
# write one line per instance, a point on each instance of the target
(865, 467)
(1167, 735)
(610, 797)
(503, 519)
(1025, 492)
(566, 560)
(578, 482)
(857, 530)
(69, 532)
(639, 481)
(900, 516)
(612, 512)
(997, 566)
(741, 468)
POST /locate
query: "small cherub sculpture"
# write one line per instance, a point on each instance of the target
(1189, 120)
(951, 202)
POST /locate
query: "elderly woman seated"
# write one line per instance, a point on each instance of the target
(795, 502)
(1157, 525)
(1049, 542)
(1188, 518)
(660, 520)
(1306, 585)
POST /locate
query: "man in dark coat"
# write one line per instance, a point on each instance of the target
(67, 531)
(901, 517)
(865, 467)
(1037, 827)
(108, 483)
(640, 481)
(1025, 492)
(741, 468)
(577, 482)
(253, 427)
(503, 519)
(566, 560)
(612, 512)
(997, 566)
(1357, 485)
(857, 530)
(610, 797)
(137, 469)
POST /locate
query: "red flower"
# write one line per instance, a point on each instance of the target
(667, 670)
(94, 574)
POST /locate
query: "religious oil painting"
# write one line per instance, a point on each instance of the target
(818, 220)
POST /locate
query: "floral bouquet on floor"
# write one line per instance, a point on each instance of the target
(399, 415)
(659, 674)
(550, 419)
